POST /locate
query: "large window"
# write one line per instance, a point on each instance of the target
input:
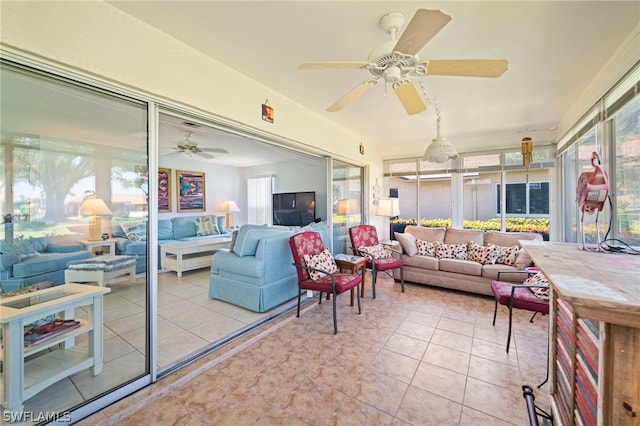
(528, 199)
(610, 129)
(468, 192)
(627, 160)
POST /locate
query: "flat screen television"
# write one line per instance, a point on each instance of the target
(294, 208)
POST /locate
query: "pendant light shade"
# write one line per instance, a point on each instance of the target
(440, 150)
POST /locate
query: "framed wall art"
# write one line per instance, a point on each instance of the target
(164, 190)
(191, 191)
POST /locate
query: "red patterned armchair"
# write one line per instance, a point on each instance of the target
(364, 242)
(317, 270)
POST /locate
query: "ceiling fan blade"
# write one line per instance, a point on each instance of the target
(468, 67)
(352, 94)
(424, 25)
(216, 150)
(173, 154)
(203, 154)
(333, 65)
(409, 97)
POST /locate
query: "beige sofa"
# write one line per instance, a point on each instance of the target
(466, 275)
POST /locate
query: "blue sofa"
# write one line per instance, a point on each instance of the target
(257, 273)
(131, 238)
(32, 260)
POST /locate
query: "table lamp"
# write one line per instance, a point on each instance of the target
(95, 208)
(229, 208)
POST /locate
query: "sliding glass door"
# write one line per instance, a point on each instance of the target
(74, 161)
(347, 199)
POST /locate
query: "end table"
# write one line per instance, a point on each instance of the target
(352, 263)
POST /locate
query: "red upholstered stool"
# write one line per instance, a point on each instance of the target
(519, 296)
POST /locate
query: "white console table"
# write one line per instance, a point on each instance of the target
(23, 379)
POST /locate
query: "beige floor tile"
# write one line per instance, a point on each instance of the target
(406, 345)
(354, 412)
(505, 403)
(421, 407)
(452, 340)
(379, 390)
(440, 381)
(450, 359)
(494, 372)
(395, 365)
(456, 326)
(416, 330)
(471, 417)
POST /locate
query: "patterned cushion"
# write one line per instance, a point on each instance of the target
(426, 248)
(323, 260)
(485, 255)
(206, 225)
(451, 251)
(507, 255)
(377, 252)
(539, 279)
(135, 231)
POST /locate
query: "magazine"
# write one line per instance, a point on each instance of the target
(49, 330)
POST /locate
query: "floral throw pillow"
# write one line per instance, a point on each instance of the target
(377, 251)
(539, 279)
(507, 255)
(451, 251)
(426, 248)
(323, 260)
(486, 255)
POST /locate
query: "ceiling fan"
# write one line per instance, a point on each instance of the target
(397, 61)
(189, 147)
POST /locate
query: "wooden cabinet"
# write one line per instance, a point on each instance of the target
(30, 369)
(595, 338)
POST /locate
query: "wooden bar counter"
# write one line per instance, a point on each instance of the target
(594, 356)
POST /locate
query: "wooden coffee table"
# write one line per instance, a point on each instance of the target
(184, 256)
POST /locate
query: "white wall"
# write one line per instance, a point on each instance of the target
(298, 176)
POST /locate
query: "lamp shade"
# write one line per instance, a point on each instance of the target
(347, 207)
(440, 150)
(389, 207)
(229, 207)
(94, 207)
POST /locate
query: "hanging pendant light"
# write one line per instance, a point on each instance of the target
(440, 150)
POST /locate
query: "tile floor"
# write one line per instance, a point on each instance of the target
(425, 357)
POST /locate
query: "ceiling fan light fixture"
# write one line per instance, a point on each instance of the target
(440, 150)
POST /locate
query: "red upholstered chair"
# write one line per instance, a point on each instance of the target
(364, 242)
(519, 296)
(318, 271)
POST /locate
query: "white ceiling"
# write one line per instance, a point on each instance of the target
(555, 49)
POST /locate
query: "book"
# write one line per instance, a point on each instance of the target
(47, 331)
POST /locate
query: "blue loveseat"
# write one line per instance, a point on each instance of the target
(257, 273)
(131, 238)
(32, 260)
